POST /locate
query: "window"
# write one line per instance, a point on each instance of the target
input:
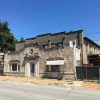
(72, 43)
(15, 67)
(56, 45)
(53, 45)
(54, 68)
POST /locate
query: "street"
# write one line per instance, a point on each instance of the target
(28, 91)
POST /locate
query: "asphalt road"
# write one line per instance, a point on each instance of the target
(29, 91)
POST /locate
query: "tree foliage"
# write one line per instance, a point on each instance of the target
(22, 39)
(7, 39)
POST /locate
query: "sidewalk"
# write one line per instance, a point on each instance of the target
(42, 81)
(55, 82)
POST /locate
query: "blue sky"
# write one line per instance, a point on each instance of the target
(28, 18)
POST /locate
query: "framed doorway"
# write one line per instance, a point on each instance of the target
(32, 69)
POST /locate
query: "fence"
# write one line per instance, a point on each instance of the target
(89, 73)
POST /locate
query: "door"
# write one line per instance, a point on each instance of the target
(32, 67)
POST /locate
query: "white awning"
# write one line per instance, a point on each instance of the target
(55, 62)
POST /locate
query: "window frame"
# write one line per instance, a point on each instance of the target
(49, 68)
(18, 67)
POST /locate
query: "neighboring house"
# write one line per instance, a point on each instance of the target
(91, 52)
(50, 55)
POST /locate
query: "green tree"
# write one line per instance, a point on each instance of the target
(22, 39)
(7, 39)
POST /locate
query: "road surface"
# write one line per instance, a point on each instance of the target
(28, 91)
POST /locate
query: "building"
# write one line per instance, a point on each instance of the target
(50, 55)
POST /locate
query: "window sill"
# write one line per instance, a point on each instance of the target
(14, 71)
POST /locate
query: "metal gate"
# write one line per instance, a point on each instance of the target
(89, 73)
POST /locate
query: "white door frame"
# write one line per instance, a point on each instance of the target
(28, 68)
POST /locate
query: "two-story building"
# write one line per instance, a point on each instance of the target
(50, 55)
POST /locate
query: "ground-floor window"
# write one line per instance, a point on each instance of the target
(53, 68)
(15, 67)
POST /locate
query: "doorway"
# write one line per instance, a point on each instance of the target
(32, 69)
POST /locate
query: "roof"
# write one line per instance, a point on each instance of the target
(71, 32)
(44, 39)
(44, 34)
(86, 38)
(58, 33)
(57, 38)
(31, 38)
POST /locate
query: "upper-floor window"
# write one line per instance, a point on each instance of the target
(56, 45)
(72, 43)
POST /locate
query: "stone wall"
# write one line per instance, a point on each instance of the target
(63, 51)
(16, 56)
